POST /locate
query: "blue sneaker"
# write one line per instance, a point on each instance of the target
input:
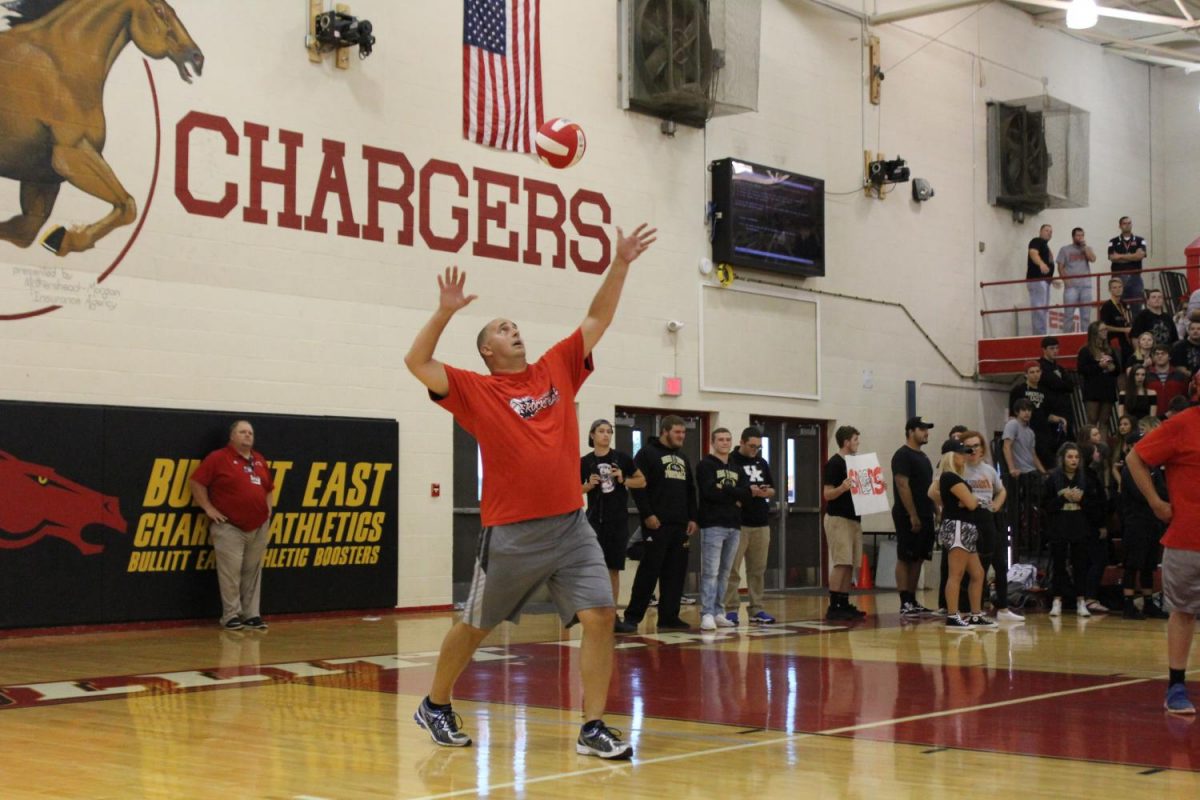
(762, 618)
(1177, 700)
(732, 616)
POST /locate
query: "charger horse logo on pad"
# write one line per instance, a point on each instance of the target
(36, 502)
(57, 55)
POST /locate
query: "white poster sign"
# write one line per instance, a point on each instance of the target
(867, 487)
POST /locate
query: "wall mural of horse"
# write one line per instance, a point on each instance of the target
(57, 55)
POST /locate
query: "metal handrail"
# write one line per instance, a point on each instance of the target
(1090, 276)
(1093, 304)
(983, 284)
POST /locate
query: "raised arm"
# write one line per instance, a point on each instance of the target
(420, 360)
(604, 305)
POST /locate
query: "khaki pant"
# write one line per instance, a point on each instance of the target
(753, 546)
(239, 568)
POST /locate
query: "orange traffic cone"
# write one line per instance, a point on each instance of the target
(864, 574)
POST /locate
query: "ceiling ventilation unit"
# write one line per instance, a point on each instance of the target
(689, 60)
(1037, 155)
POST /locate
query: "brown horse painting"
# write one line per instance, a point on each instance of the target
(56, 58)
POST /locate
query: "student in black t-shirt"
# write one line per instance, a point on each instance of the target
(912, 514)
(843, 528)
(607, 476)
(1039, 264)
(1185, 354)
(1154, 320)
(959, 535)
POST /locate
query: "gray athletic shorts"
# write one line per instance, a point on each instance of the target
(1181, 580)
(512, 561)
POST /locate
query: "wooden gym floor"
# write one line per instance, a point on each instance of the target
(322, 708)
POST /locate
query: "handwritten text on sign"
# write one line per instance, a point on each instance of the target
(867, 486)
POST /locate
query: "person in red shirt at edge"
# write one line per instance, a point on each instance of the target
(233, 485)
(1175, 446)
(534, 528)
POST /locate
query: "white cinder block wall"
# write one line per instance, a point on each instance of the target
(208, 312)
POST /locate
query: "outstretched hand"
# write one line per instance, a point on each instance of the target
(631, 246)
(451, 287)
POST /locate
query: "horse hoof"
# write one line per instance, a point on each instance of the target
(53, 240)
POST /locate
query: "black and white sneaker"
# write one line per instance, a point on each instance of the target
(923, 611)
(443, 726)
(597, 739)
(234, 624)
(256, 623)
(956, 623)
(910, 610)
(980, 621)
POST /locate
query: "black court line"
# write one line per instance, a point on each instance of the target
(934, 750)
(1153, 771)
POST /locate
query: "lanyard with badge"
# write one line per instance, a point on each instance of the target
(249, 469)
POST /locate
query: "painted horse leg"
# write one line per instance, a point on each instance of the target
(37, 201)
(86, 169)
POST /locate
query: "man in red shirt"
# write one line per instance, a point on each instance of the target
(1175, 445)
(1163, 379)
(233, 485)
(534, 528)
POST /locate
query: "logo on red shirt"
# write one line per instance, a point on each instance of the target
(529, 407)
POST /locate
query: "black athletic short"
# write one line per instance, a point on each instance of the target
(912, 546)
(614, 540)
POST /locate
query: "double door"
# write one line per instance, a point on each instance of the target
(795, 451)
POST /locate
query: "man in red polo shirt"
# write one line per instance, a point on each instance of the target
(1175, 446)
(233, 485)
(534, 529)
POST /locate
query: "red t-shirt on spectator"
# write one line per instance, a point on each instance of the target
(1175, 445)
(1175, 384)
(527, 432)
(238, 487)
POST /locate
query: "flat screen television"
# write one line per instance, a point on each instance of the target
(767, 218)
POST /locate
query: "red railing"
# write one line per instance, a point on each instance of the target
(1101, 298)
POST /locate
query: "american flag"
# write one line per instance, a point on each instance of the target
(502, 73)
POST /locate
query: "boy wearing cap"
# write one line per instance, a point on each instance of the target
(607, 475)
(912, 514)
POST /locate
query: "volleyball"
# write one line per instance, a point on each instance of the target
(560, 143)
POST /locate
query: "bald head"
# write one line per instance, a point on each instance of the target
(500, 345)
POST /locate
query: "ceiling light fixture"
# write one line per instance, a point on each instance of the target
(1082, 14)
